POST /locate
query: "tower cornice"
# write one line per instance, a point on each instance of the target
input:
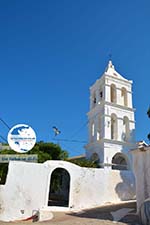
(103, 103)
(115, 142)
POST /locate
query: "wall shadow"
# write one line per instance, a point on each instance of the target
(104, 213)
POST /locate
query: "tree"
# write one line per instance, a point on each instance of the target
(48, 151)
(45, 151)
(84, 163)
(148, 113)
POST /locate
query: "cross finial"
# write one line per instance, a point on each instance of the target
(110, 56)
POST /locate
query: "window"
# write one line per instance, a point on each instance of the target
(101, 94)
(99, 129)
(92, 131)
(113, 93)
(114, 127)
(125, 134)
(124, 96)
(93, 99)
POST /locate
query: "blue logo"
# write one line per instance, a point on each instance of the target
(21, 138)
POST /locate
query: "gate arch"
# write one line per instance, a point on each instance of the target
(59, 188)
(119, 162)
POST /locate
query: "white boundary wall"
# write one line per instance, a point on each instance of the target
(141, 168)
(27, 188)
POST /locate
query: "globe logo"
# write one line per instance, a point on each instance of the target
(21, 138)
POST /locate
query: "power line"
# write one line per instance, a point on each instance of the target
(67, 140)
(5, 123)
(3, 138)
(78, 131)
(75, 134)
(84, 124)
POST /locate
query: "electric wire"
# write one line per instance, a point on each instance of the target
(5, 123)
(8, 127)
(3, 138)
(77, 132)
(68, 140)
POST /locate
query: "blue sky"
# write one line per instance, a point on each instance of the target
(51, 52)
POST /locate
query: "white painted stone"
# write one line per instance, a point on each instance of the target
(27, 188)
(141, 168)
(45, 215)
(101, 110)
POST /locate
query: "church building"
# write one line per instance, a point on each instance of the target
(111, 136)
(111, 121)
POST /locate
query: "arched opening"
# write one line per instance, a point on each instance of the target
(113, 93)
(95, 157)
(114, 133)
(96, 160)
(93, 100)
(119, 162)
(99, 128)
(125, 135)
(59, 188)
(124, 96)
(92, 131)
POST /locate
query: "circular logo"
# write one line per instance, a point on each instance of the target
(21, 138)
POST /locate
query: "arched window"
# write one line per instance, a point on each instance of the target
(114, 129)
(124, 96)
(94, 99)
(92, 131)
(99, 129)
(126, 130)
(113, 93)
(119, 162)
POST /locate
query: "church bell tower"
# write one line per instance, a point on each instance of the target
(111, 121)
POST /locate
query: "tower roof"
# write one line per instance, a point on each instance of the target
(110, 67)
(110, 70)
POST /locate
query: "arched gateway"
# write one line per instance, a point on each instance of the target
(59, 188)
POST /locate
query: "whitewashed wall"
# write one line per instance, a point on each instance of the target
(141, 168)
(27, 188)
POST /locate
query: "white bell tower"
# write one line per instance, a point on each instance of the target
(111, 121)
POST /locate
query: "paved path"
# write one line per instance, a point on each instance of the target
(98, 216)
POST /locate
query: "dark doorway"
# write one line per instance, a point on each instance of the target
(59, 188)
(119, 162)
(3, 172)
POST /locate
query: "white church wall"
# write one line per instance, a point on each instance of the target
(27, 188)
(141, 168)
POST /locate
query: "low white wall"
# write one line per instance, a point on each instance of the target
(141, 168)
(27, 188)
